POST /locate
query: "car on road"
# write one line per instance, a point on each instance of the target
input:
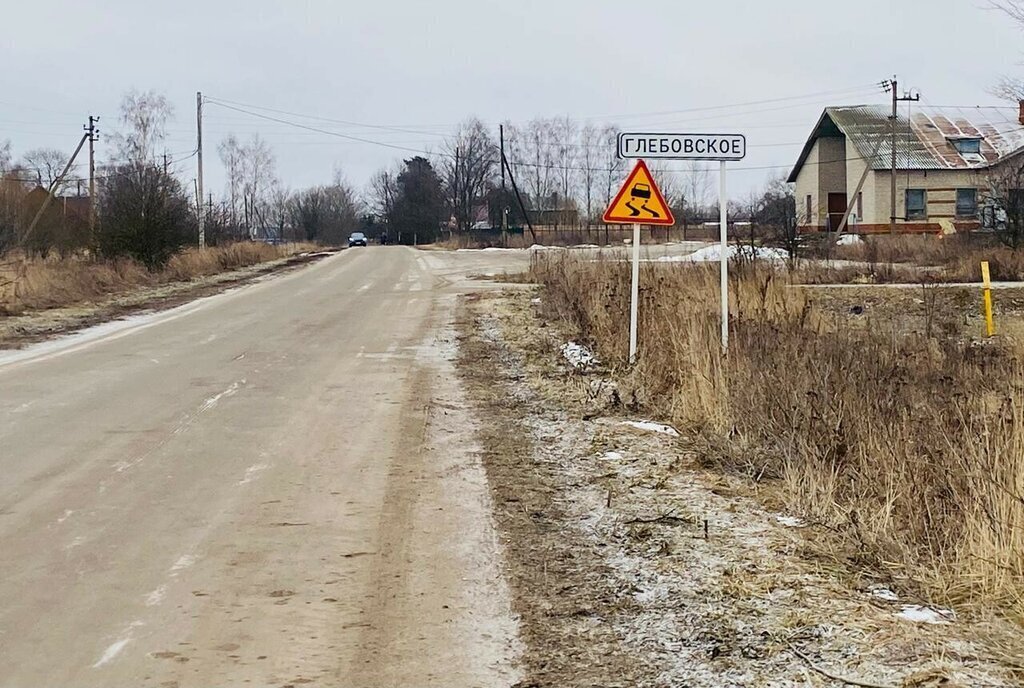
(356, 239)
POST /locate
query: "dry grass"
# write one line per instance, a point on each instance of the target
(35, 284)
(909, 447)
(898, 258)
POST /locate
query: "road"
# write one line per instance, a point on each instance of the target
(277, 485)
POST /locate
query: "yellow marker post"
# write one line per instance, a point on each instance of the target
(989, 325)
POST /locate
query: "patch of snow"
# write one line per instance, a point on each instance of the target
(535, 301)
(790, 521)
(929, 615)
(652, 427)
(184, 561)
(849, 240)
(111, 652)
(884, 594)
(714, 253)
(578, 355)
(612, 456)
(156, 597)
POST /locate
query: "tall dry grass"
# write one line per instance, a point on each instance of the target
(957, 258)
(909, 447)
(32, 283)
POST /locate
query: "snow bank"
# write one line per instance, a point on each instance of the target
(578, 355)
(651, 426)
(714, 253)
(848, 240)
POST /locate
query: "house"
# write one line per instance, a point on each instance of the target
(944, 156)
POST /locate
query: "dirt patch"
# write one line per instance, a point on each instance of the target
(632, 566)
(21, 330)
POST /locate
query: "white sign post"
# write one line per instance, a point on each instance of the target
(721, 147)
(723, 212)
(634, 293)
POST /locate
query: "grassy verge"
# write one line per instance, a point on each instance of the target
(28, 284)
(907, 444)
(916, 258)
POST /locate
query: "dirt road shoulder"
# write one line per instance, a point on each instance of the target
(17, 331)
(630, 565)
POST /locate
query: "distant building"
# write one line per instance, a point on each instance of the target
(943, 157)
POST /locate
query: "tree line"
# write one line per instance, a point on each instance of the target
(559, 172)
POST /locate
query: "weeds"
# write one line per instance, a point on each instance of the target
(910, 447)
(32, 284)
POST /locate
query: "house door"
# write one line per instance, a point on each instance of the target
(836, 210)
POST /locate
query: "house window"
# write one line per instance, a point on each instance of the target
(967, 203)
(970, 146)
(807, 210)
(860, 206)
(916, 209)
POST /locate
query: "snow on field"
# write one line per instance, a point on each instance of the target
(884, 594)
(651, 426)
(790, 521)
(578, 355)
(848, 240)
(928, 615)
(714, 253)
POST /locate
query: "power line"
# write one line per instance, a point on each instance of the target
(326, 132)
(221, 101)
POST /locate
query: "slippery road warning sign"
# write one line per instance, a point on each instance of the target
(639, 201)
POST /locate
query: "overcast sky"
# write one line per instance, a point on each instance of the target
(425, 66)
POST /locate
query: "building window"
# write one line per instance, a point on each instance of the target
(860, 206)
(967, 203)
(970, 146)
(916, 208)
(810, 216)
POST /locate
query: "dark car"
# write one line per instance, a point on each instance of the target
(356, 239)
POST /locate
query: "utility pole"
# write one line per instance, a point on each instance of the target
(896, 100)
(199, 173)
(49, 192)
(456, 196)
(93, 135)
(504, 205)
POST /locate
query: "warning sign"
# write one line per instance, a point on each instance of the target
(639, 201)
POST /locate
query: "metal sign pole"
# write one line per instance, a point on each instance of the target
(723, 217)
(634, 293)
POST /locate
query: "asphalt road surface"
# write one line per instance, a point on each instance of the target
(277, 485)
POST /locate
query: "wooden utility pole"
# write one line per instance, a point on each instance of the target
(94, 134)
(504, 205)
(49, 193)
(896, 100)
(199, 171)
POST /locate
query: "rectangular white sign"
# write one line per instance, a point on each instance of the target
(683, 146)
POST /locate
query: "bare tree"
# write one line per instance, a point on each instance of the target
(5, 157)
(231, 156)
(695, 197)
(258, 177)
(565, 150)
(538, 162)
(589, 156)
(144, 117)
(1006, 201)
(45, 165)
(1009, 87)
(382, 193)
(613, 167)
(468, 170)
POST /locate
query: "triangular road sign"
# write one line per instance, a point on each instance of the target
(639, 201)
